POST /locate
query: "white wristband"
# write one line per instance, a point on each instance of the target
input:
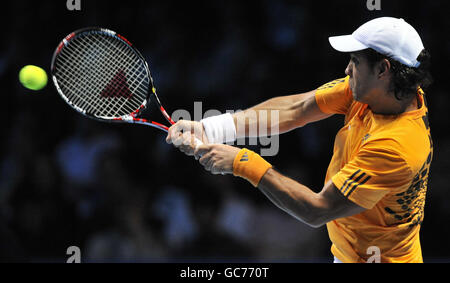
(220, 129)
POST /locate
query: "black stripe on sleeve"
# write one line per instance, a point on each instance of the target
(355, 181)
(345, 185)
(356, 185)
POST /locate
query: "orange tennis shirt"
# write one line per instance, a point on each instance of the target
(381, 163)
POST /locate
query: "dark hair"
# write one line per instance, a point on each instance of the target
(405, 79)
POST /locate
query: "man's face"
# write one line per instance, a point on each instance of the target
(362, 77)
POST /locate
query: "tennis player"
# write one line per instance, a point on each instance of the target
(374, 190)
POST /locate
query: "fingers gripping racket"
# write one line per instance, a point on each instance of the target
(102, 76)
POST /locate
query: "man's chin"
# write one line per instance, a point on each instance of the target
(357, 97)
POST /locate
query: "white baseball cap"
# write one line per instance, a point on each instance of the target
(389, 36)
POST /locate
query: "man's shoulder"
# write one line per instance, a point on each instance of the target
(334, 83)
(407, 141)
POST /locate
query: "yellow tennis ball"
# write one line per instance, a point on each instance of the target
(33, 77)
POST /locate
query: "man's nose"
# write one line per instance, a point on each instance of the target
(348, 70)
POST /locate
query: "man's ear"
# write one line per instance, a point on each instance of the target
(383, 67)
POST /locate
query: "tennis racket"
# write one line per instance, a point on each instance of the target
(102, 76)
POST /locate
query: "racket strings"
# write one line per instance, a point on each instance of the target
(107, 54)
(119, 83)
(89, 73)
(76, 82)
(79, 80)
(116, 87)
(101, 75)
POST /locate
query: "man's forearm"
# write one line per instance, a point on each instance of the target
(276, 115)
(292, 197)
(272, 117)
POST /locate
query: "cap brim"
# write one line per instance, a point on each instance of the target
(346, 43)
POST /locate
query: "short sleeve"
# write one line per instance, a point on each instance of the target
(375, 171)
(334, 97)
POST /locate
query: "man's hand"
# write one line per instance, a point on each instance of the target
(217, 158)
(183, 134)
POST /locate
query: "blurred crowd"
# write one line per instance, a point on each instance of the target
(120, 193)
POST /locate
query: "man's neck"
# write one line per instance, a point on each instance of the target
(392, 106)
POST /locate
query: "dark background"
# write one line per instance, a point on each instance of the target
(120, 193)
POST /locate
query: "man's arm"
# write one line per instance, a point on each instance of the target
(293, 111)
(314, 209)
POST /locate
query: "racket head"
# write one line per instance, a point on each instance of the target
(101, 75)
